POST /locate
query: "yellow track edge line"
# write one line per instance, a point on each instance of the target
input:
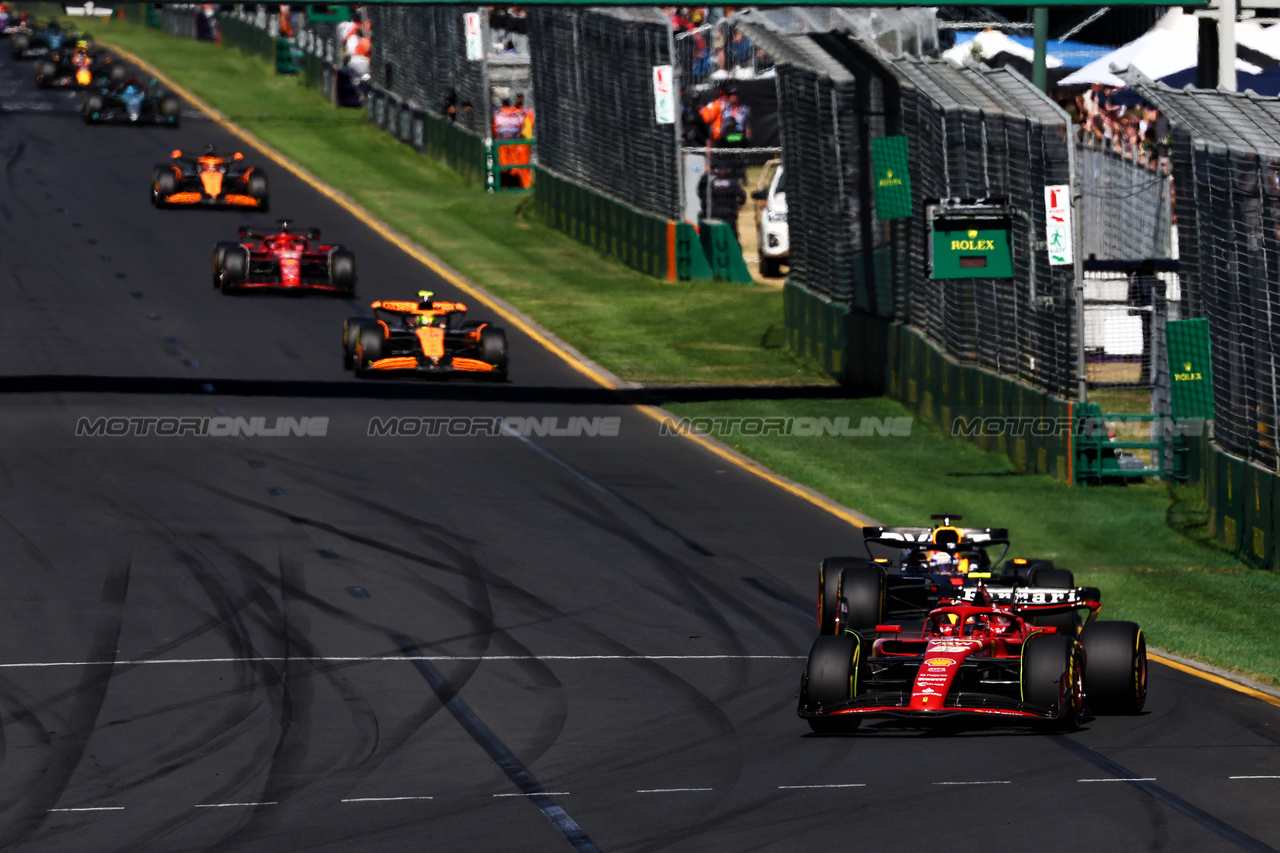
(658, 414)
(1193, 668)
(377, 225)
(437, 266)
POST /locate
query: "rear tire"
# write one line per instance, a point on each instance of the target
(1053, 678)
(169, 108)
(342, 271)
(831, 678)
(863, 591)
(493, 348)
(1116, 673)
(18, 43)
(93, 104)
(117, 75)
(258, 189)
(1045, 576)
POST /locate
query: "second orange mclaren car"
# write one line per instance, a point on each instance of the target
(211, 179)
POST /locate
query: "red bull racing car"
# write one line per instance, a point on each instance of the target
(424, 338)
(78, 68)
(917, 567)
(283, 260)
(979, 656)
(210, 179)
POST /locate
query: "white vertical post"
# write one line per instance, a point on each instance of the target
(1227, 11)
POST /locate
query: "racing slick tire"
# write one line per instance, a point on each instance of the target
(831, 677)
(18, 43)
(231, 266)
(259, 189)
(857, 592)
(45, 72)
(351, 339)
(169, 108)
(342, 271)
(93, 104)
(163, 183)
(1116, 678)
(1021, 572)
(1047, 577)
(117, 75)
(368, 348)
(493, 348)
(1053, 678)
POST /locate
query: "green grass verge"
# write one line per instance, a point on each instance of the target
(638, 327)
(1144, 544)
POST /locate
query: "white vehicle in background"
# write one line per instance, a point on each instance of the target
(771, 219)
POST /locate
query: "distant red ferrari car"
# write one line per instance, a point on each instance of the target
(283, 260)
(977, 656)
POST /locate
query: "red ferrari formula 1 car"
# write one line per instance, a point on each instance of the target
(979, 657)
(209, 180)
(427, 338)
(283, 260)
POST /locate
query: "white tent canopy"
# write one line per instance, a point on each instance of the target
(1157, 53)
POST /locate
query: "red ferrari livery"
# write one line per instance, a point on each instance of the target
(980, 655)
(283, 260)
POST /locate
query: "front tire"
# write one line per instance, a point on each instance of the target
(258, 189)
(368, 348)
(342, 271)
(163, 184)
(830, 678)
(351, 340)
(1116, 675)
(1053, 678)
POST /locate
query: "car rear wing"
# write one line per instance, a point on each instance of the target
(919, 537)
(1031, 598)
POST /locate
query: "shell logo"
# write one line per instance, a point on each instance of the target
(939, 662)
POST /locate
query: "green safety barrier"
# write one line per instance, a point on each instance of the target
(642, 241)
(152, 16)
(691, 261)
(816, 328)
(723, 252)
(329, 14)
(494, 167)
(247, 39)
(288, 56)
(1243, 501)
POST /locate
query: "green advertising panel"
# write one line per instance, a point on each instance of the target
(892, 180)
(971, 248)
(1189, 368)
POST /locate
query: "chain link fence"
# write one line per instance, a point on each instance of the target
(1226, 151)
(593, 72)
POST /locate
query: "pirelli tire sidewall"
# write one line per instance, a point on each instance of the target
(368, 347)
(830, 678)
(163, 184)
(234, 267)
(493, 348)
(850, 594)
(1051, 666)
(1116, 675)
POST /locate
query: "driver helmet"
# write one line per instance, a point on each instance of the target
(942, 561)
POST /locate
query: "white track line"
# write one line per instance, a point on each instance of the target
(1118, 779)
(798, 787)
(383, 799)
(671, 790)
(232, 805)
(537, 794)
(91, 809)
(1253, 777)
(390, 659)
(1000, 782)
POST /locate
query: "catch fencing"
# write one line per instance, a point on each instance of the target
(1226, 151)
(593, 73)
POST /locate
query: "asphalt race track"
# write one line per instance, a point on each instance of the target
(430, 643)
